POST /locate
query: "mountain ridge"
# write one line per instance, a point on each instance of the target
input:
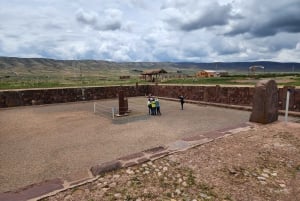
(16, 64)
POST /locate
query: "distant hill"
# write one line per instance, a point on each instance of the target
(13, 65)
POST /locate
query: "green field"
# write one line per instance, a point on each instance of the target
(241, 79)
(26, 81)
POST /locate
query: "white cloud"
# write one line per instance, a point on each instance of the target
(158, 30)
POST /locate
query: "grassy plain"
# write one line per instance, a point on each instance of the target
(107, 77)
(240, 79)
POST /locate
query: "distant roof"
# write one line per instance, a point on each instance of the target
(215, 71)
(153, 72)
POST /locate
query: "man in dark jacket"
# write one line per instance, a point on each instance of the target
(181, 99)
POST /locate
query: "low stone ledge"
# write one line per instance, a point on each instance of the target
(143, 160)
(129, 164)
(155, 150)
(106, 167)
(33, 191)
(159, 155)
(132, 156)
(213, 134)
(194, 138)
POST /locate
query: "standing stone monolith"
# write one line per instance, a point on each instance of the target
(123, 103)
(265, 102)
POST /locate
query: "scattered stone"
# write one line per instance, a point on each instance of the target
(261, 178)
(266, 171)
(265, 175)
(117, 195)
(282, 185)
(144, 165)
(203, 195)
(274, 174)
(116, 176)
(139, 199)
(165, 169)
(105, 189)
(184, 184)
(68, 198)
(129, 171)
(179, 180)
(146, 172)
(159, 174)
(150, 163)
(112, 185)
(263, 182)
(177, 191)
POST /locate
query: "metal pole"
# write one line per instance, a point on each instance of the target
(113, 112)
(287, 105)
(94, 107)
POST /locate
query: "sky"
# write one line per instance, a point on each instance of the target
(151, 30)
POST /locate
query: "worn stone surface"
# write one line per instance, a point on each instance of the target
(265, 102)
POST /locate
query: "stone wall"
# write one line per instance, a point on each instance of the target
(215, 94)
(225, 95)
(62, 95)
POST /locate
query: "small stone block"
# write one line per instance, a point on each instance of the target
(106, 167)
(129, 164)
(143, 160)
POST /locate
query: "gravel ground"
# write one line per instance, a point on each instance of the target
(259, 164)
(54, 141)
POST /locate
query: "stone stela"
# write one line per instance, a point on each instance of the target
(265, 102)
(123, 104)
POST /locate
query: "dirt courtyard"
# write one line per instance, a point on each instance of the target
(53, 141)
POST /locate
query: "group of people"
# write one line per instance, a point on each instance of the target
(153, 105)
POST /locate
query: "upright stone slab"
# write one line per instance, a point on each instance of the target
(265, 102)
(123, 103)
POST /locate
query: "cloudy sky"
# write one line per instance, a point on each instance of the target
(156, 30)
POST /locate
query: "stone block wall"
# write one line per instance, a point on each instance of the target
(215, 94)
(63, 95)
(224, 95)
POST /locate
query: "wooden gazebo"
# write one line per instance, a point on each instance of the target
(153, 75)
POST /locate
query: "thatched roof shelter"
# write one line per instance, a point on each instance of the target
(153, 74)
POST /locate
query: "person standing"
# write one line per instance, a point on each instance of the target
(181, 99)
(157, 106)
(149, 105)
(153, 107)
